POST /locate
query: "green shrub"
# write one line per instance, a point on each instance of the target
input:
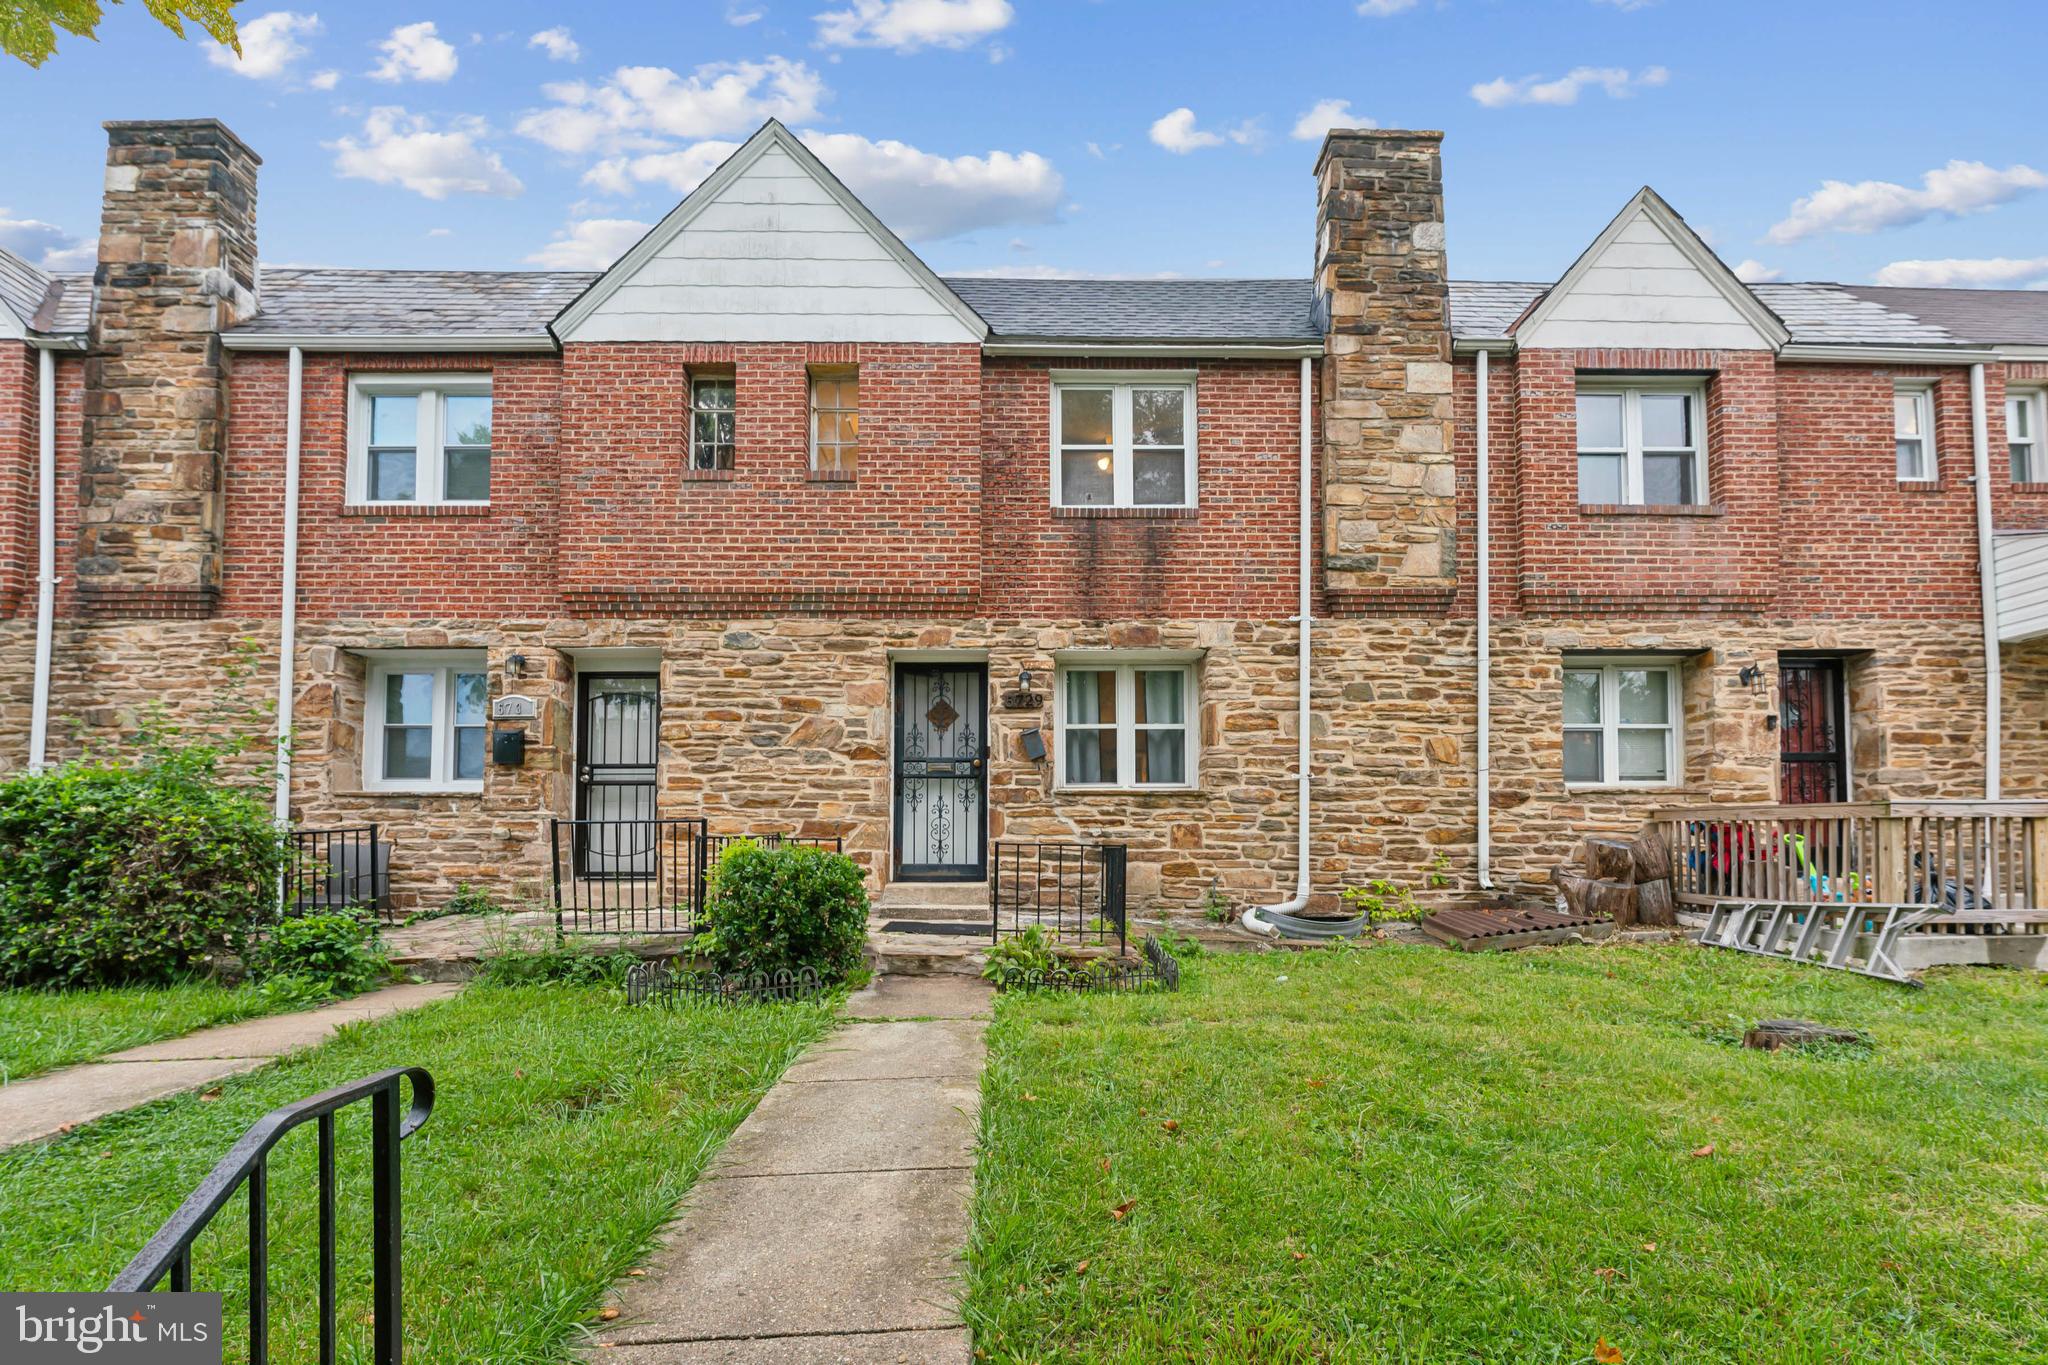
(1015, 958)
(117, 875)
(784, 909)
(467, 900)
(338, 950)
(574, 963)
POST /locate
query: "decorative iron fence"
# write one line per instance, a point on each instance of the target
(1074, 892)
(330, 869)
(628, 876)
(662, 984)
(1159, 970)
(169, 1253)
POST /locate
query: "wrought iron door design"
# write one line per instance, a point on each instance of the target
(1813, 732)
(941, 761)
(618, 739)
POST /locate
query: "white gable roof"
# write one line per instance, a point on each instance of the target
(771, 247)
(1649, 281)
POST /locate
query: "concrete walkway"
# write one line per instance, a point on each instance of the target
(57, 1101)
(829, 1228)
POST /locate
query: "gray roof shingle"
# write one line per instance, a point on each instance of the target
(2012, 317)
(1143, 310)
(1483, 308)
(22, 287)
(325, 302)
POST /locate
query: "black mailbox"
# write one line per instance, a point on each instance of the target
(508, 748)
(1034, 745)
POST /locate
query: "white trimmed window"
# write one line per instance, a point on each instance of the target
(1123, 443)
(712, 416)
(835, 422)
(2026, 418)
(1913, 428)
(424, 723)
(1622, 723)
(419, 439)
(1125, 725)
(1642, 444)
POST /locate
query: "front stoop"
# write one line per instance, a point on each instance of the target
(830, 1226)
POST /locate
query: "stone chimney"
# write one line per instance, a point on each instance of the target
(177, 263)
(1389, 484)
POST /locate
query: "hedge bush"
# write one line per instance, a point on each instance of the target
(338, 951)
(785, 908)
(116, 875)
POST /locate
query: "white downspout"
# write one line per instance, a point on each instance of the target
(1252, 918)
(46, 557)
(1987, 576)
(288, 604)
(1485, 680)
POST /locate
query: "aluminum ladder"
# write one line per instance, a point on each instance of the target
(1850, 938)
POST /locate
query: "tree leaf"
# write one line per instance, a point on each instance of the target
(1707, 1150)
(1122, 1210)
(1605, 1354)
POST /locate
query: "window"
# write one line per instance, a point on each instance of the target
(1913, 425)
(1126, 725)
(835, 423)
(1123, 444)
(424, 724)
(711, 421)
(1641, 444)
(2026, 415)
(424, 439)
(1621, 723)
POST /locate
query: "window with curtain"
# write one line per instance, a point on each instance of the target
(835, 423)
(1621, 723)
(1913, 431)
(713, 414)
(2026, 413)
(1126, 725)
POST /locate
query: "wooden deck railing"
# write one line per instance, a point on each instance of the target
(1958, 856)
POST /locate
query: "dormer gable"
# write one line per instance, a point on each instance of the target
(771, 247)
(1646, 282)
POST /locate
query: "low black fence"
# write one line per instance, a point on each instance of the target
(1156, 970)
(168, 1256)
(662, 984)
(643, 876)
(332, 869)
(1073, 892)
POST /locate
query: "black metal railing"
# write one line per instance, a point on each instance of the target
(331, 869)
(1074, 892)
(628, 876)
(169, 1253)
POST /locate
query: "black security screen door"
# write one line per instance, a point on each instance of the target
(618, 737)
(941, 772)
(1813, 760)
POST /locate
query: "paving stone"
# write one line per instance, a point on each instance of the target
(886, 1051)
(43, 1106)
(954, 1347)
(802, 1127)
(281, 1033)
(923, 997)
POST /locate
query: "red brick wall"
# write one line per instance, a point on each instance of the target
(2015, 507)
(17, 477)
(1235, 555)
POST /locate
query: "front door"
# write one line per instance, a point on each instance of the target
(941, 761)
(618, 736)
(1813, 732)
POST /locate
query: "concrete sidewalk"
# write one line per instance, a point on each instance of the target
(57, 1101)
(829, 1228)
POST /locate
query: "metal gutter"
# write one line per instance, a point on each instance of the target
(1887, 355)
(1218, 350)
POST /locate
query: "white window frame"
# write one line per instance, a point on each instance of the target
(829, 374)
(1631, 391)
(1122, 459)
(1610, 727)
(1922, 394)
(690, 382)
(1127, 666)
(429, 434)
(444, 666)
(2033, 402)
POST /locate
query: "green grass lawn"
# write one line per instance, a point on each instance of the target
(1406, 1154)
(567, 1125)
(40, 1030)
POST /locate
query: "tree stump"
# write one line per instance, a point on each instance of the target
(1772, 1034)
(1653, 857)
(1611, 860)
(1654, 904)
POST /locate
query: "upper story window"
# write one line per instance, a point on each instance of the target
(420, 439)
(1642, 444)
(2026, 417)
(835, 423)
(424, 723)
(1621, 723)
(1126, 725)
(1913, 428)
(711, 421)
(1123, 443)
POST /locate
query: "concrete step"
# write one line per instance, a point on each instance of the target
(956, 900)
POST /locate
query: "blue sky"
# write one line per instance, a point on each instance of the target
(1813, 139)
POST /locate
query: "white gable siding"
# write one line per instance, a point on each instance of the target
(772, 257)
(11, 327)
(1640, 290)
(2022, 566)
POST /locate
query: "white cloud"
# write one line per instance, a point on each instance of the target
(270, 45)
(440, 232)
(398, 148)
(1996, 272)
(1617, 81)
(681, 171)
(557, 43)
(1627, 6)
(907, 25)
(324, 80)
(637, 106)
(1753, 271)
(1382, 9)
(590, 244)
(45, 244)
(1177, 133)
(1325, 115)
(739, 16)
(413, 52)
(1871, 205)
